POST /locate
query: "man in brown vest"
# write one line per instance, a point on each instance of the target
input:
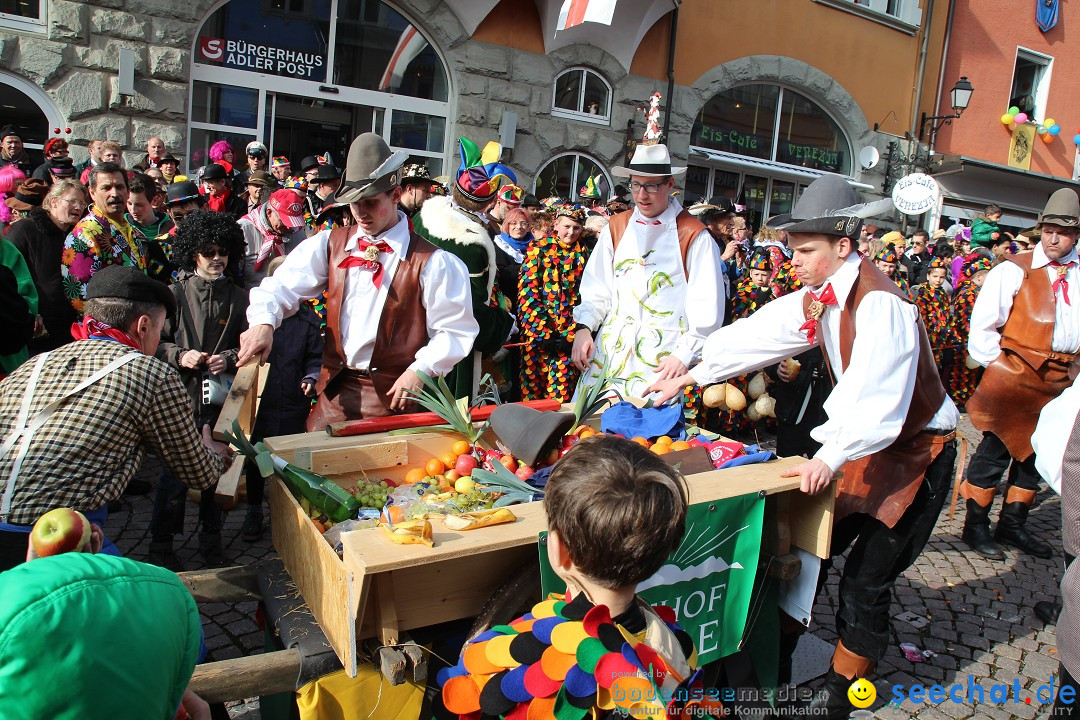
(890, 425)
(396, 305)
(1025, 329)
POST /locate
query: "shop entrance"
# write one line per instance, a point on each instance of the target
(306, 126)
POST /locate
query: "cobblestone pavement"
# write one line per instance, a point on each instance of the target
(979, 614)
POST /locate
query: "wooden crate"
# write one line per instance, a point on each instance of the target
(378, 588)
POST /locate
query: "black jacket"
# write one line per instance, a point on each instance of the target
(295, 355)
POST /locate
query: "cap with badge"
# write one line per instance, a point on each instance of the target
(129, 283)
(256, 149)
(289, 206)
(370, 168)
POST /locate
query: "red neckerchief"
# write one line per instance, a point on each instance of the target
(369, 260)
(1062, 282)
(217, 202)
(90, 329)
(816, 310)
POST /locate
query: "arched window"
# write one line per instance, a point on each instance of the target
(581, 94)
(565, 175)
(28, 108)
(307, 76)
(761, 145)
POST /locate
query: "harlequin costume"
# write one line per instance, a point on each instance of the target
(961, 379)
(934, 306)
(783, 280)
(569, 660)
(550, 275)
(888, 255)
(95, 242)
(1025, 330)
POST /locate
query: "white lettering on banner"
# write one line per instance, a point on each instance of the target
(254, 56)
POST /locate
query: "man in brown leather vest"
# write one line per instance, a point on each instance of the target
(890, 425)
(396, 305)
(1025, 328)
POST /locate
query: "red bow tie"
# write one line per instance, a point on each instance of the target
(649, 222)
(1061, 283)
(368, 258)
(816, 310)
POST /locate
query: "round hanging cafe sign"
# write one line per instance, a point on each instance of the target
(916, 193)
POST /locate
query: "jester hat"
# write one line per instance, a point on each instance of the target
(887, 255)
(480, 174)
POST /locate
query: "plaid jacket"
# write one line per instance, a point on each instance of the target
(94, 443)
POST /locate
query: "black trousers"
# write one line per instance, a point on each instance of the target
(1065, 709)
(990, 461)
(879, 554)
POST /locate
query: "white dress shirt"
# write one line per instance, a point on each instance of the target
(444, 284)
(869, 404)
(1052, 434)
(995, 301)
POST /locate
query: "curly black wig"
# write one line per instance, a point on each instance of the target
(204, 228)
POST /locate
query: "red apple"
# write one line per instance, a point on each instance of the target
(568, 441)
(465, 465)
(59, 531)
(509, 462)
(525, 472)
(552, 457)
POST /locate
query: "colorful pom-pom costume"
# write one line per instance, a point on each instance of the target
(960, 380)
(934, 306)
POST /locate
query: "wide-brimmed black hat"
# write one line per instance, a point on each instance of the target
(309, 163)
(1063, 208)
(213, 171)
(326, 173)
(371, 168)
(529, 433)
(168, 158)
(129, 283)
(826, 207)
(62, 167)
(181, 192)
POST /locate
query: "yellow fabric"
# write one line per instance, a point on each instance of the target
(339, 697)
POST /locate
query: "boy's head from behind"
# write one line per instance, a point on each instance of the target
(618, 511)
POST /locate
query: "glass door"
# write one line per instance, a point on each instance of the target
(304, 126)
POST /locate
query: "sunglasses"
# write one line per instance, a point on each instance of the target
(214, 252)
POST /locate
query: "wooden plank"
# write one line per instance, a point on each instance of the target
(245, 677)
(241, 402)
(811, 520)
(386, 618)
(321, 578)
(228, 485)
(785, 567)
(961, 460)
(337, 461)
(231, 584)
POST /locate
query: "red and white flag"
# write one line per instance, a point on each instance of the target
(409, 45)
(575, 12)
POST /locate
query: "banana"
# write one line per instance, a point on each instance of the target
(484, 518)
(410, 532)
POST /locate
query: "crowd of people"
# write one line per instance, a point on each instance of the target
(133, 295)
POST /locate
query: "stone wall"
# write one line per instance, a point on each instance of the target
(76, 61)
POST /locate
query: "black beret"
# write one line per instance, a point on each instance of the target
(213, 171)
(128, 283)
(10, 130)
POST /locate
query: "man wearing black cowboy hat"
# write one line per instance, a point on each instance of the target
(115, 403)
(220, 196)
(1025, 330)
(890, 425)
(321, 187)
(653, 287)
(181, 199)
(396, 305)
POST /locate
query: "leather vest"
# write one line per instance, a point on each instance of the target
(1030, 326)
(402, 328)
(884, 483)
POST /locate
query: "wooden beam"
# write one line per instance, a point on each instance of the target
(228, 485)
(335, 461)
(241, 403)
(231, 584)
(245, 677)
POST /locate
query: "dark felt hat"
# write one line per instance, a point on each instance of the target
(309, 163)
(371, 168)
(529, 433)
(29, 194)
(260, 178)
(530, 200)
(822, 209)
(1063, 208)
(213, 171)
(168, 158)
(326, 173)
(129, 283)
(181, 192)
(62, 167)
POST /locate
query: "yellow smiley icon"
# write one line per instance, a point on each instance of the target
(862, 693)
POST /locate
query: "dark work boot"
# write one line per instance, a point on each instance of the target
(1011, 529)
(161, 553)
(252, 529)
(1048, 611)
(977, 531)
(211, 549)
(831, 701)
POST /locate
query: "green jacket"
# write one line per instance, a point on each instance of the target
(981, 232)
(11, 258)
(94, 637)
(451, 229)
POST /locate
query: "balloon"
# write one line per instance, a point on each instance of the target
(1041, 130)
(1022, 118)
(1076, 139)
(1012, 126)
(1049, 123)
(1054, 130)
(1014, 110)
(1006, 119)
(1048, 138)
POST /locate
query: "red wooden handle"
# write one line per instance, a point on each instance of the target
(412, 420)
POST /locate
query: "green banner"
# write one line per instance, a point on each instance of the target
(709, 579)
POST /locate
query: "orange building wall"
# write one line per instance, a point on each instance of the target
(979, 49)
(875, 63)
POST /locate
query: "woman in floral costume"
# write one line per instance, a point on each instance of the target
(934, 306)
(547, 294)
(960, 380)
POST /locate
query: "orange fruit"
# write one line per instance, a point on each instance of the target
(641, 441)
(588, 432)
(461, 447)
(663, 440)
(661, 449)
(449, 460)
(451, 475)
(415, 475)
(395, 513)
(680, 445)
(435, 466)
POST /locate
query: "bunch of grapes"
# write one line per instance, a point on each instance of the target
(372, 493)
(475, 499)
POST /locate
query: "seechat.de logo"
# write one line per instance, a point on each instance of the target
(212, 48)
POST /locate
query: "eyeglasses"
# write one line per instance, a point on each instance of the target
(649, 188)
(73, 202)
(520, 223)
(212, 252)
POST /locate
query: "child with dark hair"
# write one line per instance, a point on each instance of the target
(934, 305)
(202, 341)
(615, 514)
(985, 230)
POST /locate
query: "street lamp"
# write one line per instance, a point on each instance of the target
(960, 96)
